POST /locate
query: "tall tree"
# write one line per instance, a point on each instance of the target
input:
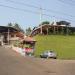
(17, 26)
(10, 24)
(28, 31)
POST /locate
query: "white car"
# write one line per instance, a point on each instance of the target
(49, 54)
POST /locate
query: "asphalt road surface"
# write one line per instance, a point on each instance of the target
(12, 63)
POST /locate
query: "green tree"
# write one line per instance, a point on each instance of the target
(17, 26)
(28, 31)
(10, 24)
(45, 22)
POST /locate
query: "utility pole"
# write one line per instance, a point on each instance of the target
(41, 18)
(54, 27)
(8, 36)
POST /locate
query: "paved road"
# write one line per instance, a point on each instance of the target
(12, 63)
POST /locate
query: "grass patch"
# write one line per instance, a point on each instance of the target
(64, 46)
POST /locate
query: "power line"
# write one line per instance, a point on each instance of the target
(59, 17)
(59, 13)
(20, 9)
(71, 2)
(48, 10)
(31, 12)
(22, 3)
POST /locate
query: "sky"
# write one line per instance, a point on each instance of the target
(27, 12)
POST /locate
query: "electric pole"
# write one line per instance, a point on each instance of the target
(41, 18)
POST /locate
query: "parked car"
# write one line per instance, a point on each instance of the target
(49, 54)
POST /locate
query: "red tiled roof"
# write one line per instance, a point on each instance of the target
(29, 39)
